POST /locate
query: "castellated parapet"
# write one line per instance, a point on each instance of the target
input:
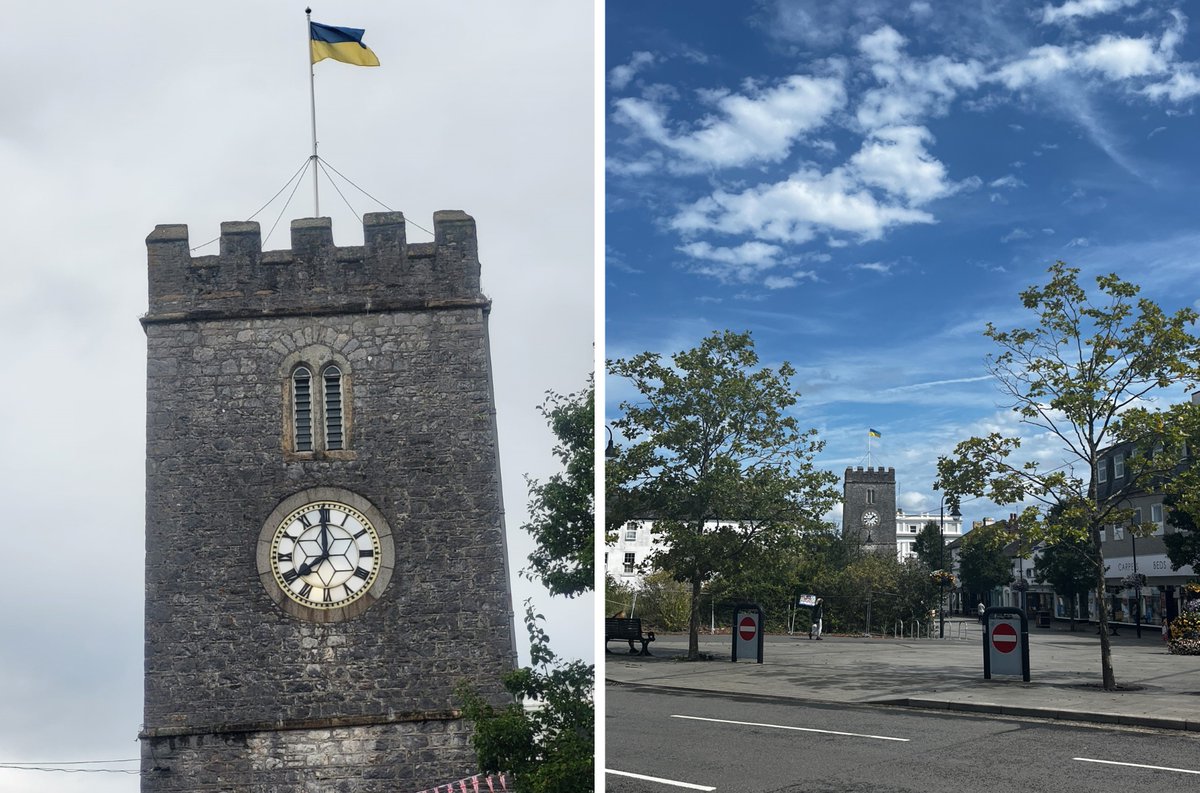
(315, 276)
(879, 475)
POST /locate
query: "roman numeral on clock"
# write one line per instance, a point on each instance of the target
(362, 573)
(290, 576)
(284, 557)
(304, 519)
(305, 590)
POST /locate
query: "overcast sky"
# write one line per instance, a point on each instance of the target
(114, 122)
(865, 184)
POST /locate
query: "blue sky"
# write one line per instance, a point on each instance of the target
(865, 185)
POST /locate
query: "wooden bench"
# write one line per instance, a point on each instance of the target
(624, 629)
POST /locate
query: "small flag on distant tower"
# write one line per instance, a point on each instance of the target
(873, 434)
(341, 44)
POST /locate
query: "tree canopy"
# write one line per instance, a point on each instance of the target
(562, 508)
(1071, 377)
(716, 458)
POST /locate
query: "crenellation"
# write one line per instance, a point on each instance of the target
(314, 275)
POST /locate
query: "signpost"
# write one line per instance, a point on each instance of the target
(1006, 642)
(747, 632)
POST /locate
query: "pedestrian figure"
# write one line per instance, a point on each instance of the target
(818, 612)
(982, 610)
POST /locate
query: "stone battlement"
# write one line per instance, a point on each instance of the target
(871, 474)
(314, 276)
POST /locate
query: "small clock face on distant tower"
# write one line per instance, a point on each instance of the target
(870, 518)
(325, 555)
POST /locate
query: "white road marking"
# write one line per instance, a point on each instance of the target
(786, 727)
(659, 780)
(1137, 765)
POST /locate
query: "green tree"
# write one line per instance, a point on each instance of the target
(1070, 377)
(930, 547)
(716, 458)
(1068, 567)
(982, 565)
(549, 748)
(561, 509)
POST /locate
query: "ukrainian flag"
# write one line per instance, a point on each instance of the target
(341, 44)
(874, 434)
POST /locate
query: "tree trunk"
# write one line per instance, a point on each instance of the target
(694, 622)
(1106, 669)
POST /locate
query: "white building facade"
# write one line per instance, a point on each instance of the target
(909, 525)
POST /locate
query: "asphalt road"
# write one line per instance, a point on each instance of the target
(704, 741)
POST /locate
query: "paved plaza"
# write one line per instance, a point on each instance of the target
(1157, 689)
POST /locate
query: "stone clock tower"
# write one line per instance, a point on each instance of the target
(869, 505)
(325, 549)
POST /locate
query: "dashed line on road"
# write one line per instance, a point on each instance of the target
(787, 727)
(659, 780)
(1137, 765)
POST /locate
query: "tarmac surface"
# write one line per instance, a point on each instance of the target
(1157, 689)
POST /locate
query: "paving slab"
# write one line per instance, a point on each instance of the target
(1157, 689)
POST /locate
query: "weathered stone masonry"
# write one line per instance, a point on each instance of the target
(238, 695)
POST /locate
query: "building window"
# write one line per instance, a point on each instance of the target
(1102, 471)
(333, 408)
(629, 562)
(1118, 532)
(302, 410)
(1118, 466)
(1137, 516)
(870, 495)
(317, 410)
(631, 532)
(1156, 517)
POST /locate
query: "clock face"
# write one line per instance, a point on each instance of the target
(325, 555)
(870, 518)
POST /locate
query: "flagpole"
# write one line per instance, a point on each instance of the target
(312, 95)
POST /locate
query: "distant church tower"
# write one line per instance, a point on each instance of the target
(325, 549)
(869, 505)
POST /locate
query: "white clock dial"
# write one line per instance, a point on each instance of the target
(870, 518)
(325, 555)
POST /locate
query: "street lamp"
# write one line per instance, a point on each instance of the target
(954, 513)
(610, 450)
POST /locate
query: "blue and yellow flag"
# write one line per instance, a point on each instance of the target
(341, 44)
(873, 434)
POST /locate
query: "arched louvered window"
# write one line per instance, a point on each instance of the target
(302, 410)
(333, 408)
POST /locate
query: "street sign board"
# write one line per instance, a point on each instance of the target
(1004, 637)
(747, 632)
(1006, 643)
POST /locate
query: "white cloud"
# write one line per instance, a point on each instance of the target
(1077, 9)
(1077, 242)
(910, 88)
(620, 76)
(1114, 57)
(876, 267)
(1182, 85)
(895, 159)
(758, 126)
(1016, 234)
(1007, 181)
(795, 209)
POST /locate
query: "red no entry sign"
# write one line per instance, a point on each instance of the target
(747, 628)
(1004, 637)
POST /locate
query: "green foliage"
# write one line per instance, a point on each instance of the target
(548, 749)
(713, 439)
(1072, 377)
(930, 547)
(617, 596)
(562, 512)
(982, 565)
(663, 603)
